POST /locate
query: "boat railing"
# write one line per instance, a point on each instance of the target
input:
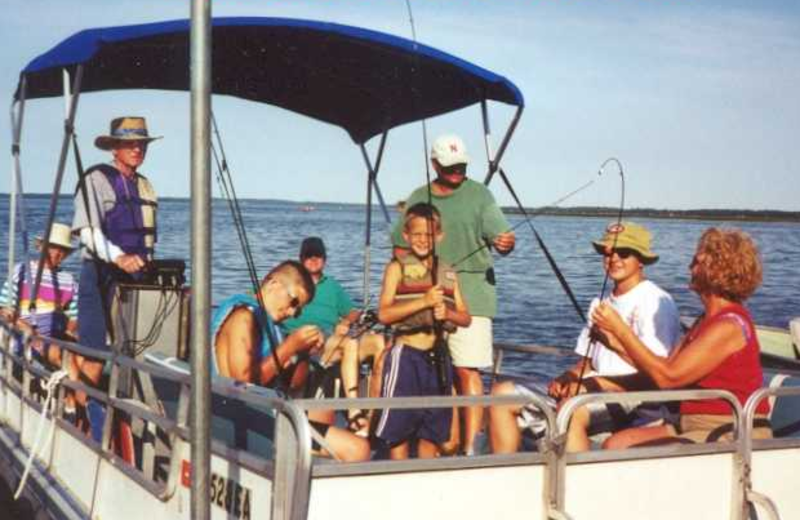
(290, 464)
(501, 349)
(549, 447)
(741, 445)
(19, 373)
(292, 452)
(747, 426)
(398, 403)
(775, 394)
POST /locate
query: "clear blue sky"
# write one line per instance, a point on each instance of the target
(699, 99)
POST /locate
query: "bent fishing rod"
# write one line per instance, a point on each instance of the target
(593, 337)
(550, 260)
(559, 275)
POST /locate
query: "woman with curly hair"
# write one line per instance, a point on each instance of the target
(720, 351)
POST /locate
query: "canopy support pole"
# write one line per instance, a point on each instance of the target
(17, 111)
(372, 173)
(200, 416)
(69, 129)
(494, 163)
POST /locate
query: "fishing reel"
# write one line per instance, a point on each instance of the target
(366, 321)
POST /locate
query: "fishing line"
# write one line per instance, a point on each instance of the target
(593, 337)
(540, 211)
(550, 259)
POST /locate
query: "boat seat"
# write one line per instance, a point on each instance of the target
(784, 411)
(794, 330)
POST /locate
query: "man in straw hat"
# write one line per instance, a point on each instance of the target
(54, 312)
(115, 216)
(652, 314)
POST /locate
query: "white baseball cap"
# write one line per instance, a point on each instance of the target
(448, 150)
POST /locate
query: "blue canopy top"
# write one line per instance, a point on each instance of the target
(363, 81)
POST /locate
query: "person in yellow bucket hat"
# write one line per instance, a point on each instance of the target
(653, 315)
(628, 236)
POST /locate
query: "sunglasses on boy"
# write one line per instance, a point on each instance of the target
(294, 300)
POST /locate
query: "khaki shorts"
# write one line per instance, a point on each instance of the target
(471, 347)
(712, 428)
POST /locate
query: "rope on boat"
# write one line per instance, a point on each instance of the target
(50, 385)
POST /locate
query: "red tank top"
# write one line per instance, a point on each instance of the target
(740, 373)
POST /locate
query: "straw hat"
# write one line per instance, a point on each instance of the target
(126, 128)
(627, 235)
(60, 235)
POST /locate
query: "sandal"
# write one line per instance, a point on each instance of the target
(358, 423)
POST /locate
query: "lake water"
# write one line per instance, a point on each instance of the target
(532, 305)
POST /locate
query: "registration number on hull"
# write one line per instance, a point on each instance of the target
(230, 496)
(225, 493)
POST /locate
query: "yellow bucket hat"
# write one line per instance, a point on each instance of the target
(627, 235)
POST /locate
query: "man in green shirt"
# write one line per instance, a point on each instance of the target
(471, 221)
(333, 311)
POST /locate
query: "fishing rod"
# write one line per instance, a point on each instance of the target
(593, 337)
(226, 185)
(440, 349)
(534, 214)
(559, 275)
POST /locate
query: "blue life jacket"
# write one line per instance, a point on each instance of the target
(266, 326)
(130, 224)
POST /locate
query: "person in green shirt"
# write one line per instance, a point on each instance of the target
(333, 312)
(471, 221)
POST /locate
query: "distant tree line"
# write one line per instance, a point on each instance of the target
(693, 214)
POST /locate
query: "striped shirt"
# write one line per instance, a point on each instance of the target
(56, 302)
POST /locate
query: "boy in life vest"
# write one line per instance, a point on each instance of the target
(417, 293)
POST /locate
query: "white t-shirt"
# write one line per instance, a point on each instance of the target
(652, 315)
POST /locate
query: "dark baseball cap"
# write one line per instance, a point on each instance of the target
(312, 246)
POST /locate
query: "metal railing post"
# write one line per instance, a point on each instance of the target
(200, 58)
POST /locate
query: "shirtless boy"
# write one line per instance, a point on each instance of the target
(248, 347)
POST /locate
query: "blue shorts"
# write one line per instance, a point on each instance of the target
(408, 372)
(94, 304)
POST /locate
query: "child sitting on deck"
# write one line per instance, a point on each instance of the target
(413, 298)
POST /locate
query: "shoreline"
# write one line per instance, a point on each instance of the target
(738, 215)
